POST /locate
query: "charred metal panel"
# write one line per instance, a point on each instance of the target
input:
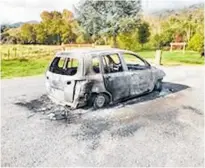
(117, 84)
(82, 92)
(140, 81)
(75, 90)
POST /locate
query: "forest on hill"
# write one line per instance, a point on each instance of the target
(118, 23)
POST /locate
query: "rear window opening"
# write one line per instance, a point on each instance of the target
(64, 66)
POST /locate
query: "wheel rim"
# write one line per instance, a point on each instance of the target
(100, 101)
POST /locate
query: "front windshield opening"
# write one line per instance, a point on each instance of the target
(64, 66)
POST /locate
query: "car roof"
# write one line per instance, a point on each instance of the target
(82, 52)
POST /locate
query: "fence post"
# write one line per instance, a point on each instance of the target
(171, 47)
(158, 57)
(8, 53)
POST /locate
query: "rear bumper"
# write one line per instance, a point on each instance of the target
(79, 102)
(73, 105)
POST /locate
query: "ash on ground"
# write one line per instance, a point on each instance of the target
(45, 106)
(54, 111)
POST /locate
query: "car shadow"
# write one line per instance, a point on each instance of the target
(167, 89)
(44, 105)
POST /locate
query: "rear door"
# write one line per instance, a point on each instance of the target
(139, 74)
(61, 78)
(115, 79)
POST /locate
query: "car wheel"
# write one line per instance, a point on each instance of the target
(158, 85)
(100, 100)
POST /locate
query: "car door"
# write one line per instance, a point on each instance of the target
(139, 74)
(60, 79)
(115, 79)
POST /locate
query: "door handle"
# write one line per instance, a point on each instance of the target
(68, 82)
(47, 77)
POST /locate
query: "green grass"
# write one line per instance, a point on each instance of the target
(25, 60)
(34, 59)
(175, 57)
(16, 68)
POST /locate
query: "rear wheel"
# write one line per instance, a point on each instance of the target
(158, 85)
(100, 100)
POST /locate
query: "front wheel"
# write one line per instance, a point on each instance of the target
(100, 100)
(158, 85)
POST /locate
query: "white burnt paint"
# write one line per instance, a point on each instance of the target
(76, 83)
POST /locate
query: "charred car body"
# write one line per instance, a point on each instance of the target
(79, 77)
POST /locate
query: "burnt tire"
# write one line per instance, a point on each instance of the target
(100, 100)
(158, 86)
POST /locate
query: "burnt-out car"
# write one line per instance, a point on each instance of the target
(99, 77)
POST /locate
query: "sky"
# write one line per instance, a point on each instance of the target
(25, 10)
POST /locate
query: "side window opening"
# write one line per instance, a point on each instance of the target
(61, 62)
(71, 66)
(112, 63)
(96, 65)
(134, 63)
(64, 66)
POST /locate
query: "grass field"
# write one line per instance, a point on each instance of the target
(28, 60)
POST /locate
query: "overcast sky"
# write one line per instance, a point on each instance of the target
(25, 10)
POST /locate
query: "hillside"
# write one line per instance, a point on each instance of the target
(170, 12)
(18, 24)
(193, 12)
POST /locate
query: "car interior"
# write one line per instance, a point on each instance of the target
(64, 66)
(112, 63)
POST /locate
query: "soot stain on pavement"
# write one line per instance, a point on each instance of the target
(34, 105)
(168, 115)
(44, 105)
(91, 130)
(126, 130)
(192, 109)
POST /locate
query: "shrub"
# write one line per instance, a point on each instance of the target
(197, 42)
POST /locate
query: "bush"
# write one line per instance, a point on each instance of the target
(197, 42)
(129, 41)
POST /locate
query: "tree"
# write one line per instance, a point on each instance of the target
(46, 16)
(41, 33)
(143, 33)
(28, 34)
(4, 28)
(107, 17)
(67, 15)
(158, 41)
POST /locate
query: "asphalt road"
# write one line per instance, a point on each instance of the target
(159, 129)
